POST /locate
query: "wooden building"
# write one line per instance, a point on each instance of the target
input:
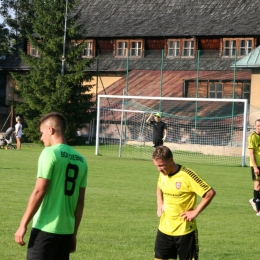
(188, 48)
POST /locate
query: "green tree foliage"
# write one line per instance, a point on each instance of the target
(16, 13)
(5, 41)
(44, 89)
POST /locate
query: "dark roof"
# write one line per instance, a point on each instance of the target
(153, 61)
(168, 18)
(14, 62)
(109, 63)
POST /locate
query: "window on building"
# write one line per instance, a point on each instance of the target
(122, 48)
(34, 52)
(180, 48)
(73, 44)
(88, 50)
(174, 48)
(239, 47)
(188, 48)
(215, 90)
(246, 91)
(133, 48)
(245, 47)
(230, 48)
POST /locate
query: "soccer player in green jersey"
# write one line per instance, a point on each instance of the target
(177, 190)
(254, 152)
(57, 201)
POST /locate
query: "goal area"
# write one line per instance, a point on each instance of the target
(201, 130)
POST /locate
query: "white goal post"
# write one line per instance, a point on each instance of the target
(203, 130)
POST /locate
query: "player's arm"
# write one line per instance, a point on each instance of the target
(33, 205)
(159, 195)
(149, 118)
(164, 134)
(252, 157)
(78, 217)
(205, 201)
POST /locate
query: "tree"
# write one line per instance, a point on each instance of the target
(16, 13)
(44, 89)
(5, 42)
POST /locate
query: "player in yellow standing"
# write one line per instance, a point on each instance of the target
(254, 152)
(177, 190)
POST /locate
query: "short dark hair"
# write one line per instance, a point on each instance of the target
(162, 152)
(58, 117)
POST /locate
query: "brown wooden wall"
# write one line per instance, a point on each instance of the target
(208, 44)
(154, 44)
(104, 46)
(204, 89)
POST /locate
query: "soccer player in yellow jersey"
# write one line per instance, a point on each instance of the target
(177, 190)
(254, 152)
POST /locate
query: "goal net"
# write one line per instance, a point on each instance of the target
(210, 131)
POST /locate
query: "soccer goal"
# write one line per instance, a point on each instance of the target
(204, 130)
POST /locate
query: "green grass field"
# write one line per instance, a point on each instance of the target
(120, 219)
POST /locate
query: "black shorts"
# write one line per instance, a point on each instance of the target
(157, 142)
(186, 246)
(48, 246)
(254, 176)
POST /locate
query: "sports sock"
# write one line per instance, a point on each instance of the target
(257, 199)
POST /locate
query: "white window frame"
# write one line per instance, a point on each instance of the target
(173, 48)
(184, 48)
(232, 46)
(247, 48)
(130, 47)
(135, 48)
(189, 48)
(88, 50)
(123, 49)
(229, 49)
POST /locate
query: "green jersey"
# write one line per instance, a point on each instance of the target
(67, 171)
(254, 143)
(180, 191)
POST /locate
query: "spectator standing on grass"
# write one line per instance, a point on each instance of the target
(159, 129)
(57, 201)
(18, 132)
(177, 189)
(254, 152)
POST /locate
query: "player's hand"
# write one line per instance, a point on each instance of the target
(164, 139)
(189, 215)
(256, 170)
(73, 244)
(160, 210)
(18, 237)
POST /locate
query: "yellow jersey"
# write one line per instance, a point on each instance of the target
(254, 143)
(180, 191)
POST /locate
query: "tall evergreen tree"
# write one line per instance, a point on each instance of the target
(44, 88)
(16, 13)
(5, 41)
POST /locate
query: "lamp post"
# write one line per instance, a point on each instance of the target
(64, 41)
